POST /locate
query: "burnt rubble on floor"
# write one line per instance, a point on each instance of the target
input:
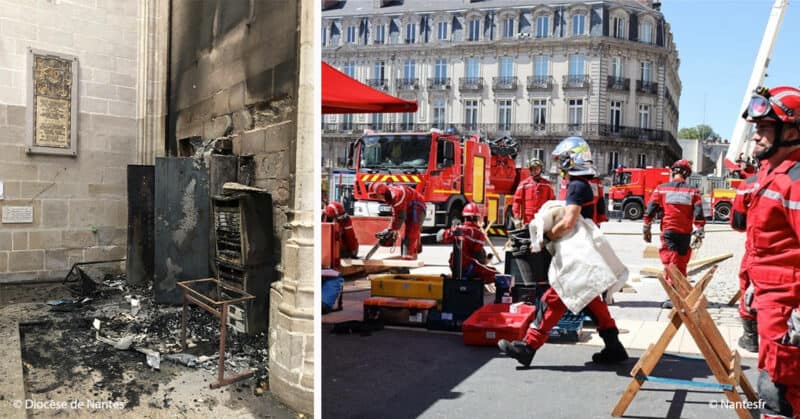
(98, 331)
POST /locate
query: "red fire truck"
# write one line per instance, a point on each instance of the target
(631, 188)
(447, 169)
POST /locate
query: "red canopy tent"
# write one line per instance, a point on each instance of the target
(341, 94)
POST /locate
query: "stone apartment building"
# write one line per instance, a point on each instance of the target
(536, 70)
(90, 86)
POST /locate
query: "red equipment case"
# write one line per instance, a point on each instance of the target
(493, 322)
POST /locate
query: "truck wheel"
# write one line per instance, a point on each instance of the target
(633, 210)
(722, 212)
(454, 216)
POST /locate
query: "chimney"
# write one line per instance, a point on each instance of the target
(657, 6)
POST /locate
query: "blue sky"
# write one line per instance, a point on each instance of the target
(717, 43)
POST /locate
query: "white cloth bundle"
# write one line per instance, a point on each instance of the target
(584, 264)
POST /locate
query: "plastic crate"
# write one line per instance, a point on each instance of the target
(428, 287)
(568, 328)
(493, 322)
(398, 311)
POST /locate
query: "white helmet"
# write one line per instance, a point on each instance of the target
(575, 157)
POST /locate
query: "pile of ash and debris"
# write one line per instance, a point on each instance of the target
(109, 328)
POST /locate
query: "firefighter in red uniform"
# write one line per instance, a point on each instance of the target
(773, 240)
(747, 312)
(531, 194)
(683, 206)
(576, 163)
(334, 212)
(473, 254)
(408, 210)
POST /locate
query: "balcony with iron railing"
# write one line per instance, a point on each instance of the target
(576, 81)
(540, 83)
(504, 83)
(382, 84)
(647, 87)
(619, 83)
(438, 83)
(591, 131)
(407, 84)
(470, 84)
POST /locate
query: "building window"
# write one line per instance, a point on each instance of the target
(508, 28)
(542, 23)
(575, 113)
(616, 115)
(576, 69)
(347, 122)
(539, 114)
(471, 115)
(438, 114)
(351, 34)
(641, 161)
(618, 25)
(378, 70)
(646, 32)
(440, 72)
(377, 121)
(324, 34)
(380, 34)
(349, 68)
(474, 30)
(613, 160)
(409, 70)
(442, 31)
(645, 73)
(538, 153)
(541, 67)
(407, 122)
(616, 68)
(411, 33)
(578, 25)
(506, 68)
(504, 115)
(644, 116)
(473, 68)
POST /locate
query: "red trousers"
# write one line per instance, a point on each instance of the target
(781, 362)
(672, 256)
(555, 309)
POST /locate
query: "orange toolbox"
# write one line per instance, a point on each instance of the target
(398, 311)
(493, 322)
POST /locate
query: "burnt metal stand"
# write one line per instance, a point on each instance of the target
(218, 309)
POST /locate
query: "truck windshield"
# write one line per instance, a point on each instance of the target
(622, 178)
(400, 151)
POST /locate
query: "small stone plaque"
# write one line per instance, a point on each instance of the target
(17, 215)
(52, 103)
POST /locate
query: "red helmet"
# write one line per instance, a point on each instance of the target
(781, 103)
(471, 210)
(682, 167)
(378, 190)
(334, 210)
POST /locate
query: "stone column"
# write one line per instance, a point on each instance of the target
(151, 79)
(291, 335)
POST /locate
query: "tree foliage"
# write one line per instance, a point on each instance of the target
(699, 132)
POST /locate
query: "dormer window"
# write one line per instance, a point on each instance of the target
(618, 27)
(351, 34)
(542, 26)
(578, 25)
(508, 28)
(411, 33)
(380, 34)
(442, 31)
(646, 32)
(474, 30)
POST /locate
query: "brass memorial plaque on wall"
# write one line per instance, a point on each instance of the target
(52, 103)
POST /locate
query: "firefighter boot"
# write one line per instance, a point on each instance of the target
(614, 351)
(518, 350)
(749, 339)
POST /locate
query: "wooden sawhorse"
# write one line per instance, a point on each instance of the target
(689, 309)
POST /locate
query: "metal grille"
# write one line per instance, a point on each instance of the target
(228, 225)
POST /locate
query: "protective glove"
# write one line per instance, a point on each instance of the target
(518, 223)
(748, 299)
(697, 239)
(646, 234)
(793, 333)
(440, 235)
